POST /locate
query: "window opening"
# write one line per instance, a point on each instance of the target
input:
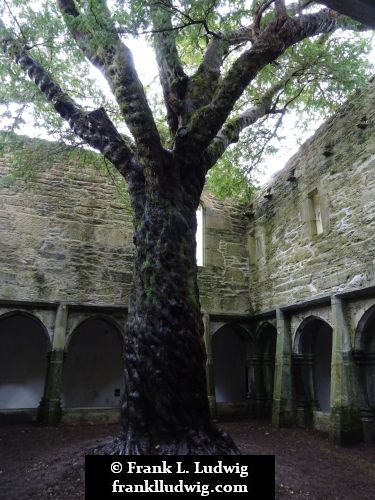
(199, 237)
(315, 213)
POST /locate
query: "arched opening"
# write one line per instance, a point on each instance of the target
(229, 357)
(93, 371)
(24, 345)
(313, 363)
(365, 355)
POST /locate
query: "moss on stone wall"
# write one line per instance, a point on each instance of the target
(68, 236)
(337, 163)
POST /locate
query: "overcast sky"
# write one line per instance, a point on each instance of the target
(147, 68)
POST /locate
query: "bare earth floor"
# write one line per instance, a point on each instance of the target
(38, 462)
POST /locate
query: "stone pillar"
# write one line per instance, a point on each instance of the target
(283, 414)
(345, 423)
(256, 395)
(268, 381)
(209, 367)
(49, 410)
(303, 368)
(250, 394)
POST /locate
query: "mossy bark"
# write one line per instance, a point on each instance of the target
(165, 406)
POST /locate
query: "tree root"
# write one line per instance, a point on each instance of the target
(193, 442)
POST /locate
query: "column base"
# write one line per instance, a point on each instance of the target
(263, 407)
(49, 411)
(345, 426)
(212, 406)
(282, 414)
(368, 427)
(305, 413)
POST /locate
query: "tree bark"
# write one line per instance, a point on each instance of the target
(165, 406)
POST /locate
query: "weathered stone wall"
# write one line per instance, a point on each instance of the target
(68, 237)
(223, 280)
(333, 173)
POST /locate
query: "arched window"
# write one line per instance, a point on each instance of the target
(199, 236)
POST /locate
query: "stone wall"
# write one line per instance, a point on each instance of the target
(302, 259)
(297, 254)
(67, 237)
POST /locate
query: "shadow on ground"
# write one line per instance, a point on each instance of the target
(39, 462)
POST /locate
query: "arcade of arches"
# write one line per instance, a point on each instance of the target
(62, 375)
(75, 371)
(287, 288)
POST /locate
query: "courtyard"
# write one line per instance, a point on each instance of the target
(48, 462)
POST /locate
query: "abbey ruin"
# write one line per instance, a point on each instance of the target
(287, 288)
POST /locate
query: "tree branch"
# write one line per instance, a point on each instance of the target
(16, 21)
(216, 51)
(218, 46)
(198, 89)
(189, 20)
(95, 127)
(96, 35)
(172, 76)
(298, 7)
(263, 6)
(204, 83)
(280, 9)
(267, 139)
(271, 43)
(230, 132)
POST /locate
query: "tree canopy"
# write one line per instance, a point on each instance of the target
(197, 44)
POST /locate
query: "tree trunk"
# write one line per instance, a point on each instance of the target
(165, 407)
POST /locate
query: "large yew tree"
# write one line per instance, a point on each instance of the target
(223, 67)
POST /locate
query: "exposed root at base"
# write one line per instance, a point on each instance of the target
(211, 442)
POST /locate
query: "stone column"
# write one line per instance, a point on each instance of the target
(303, 367)
(345, 424)
(283, 414)
(250, 394)
(209, 367)
(256, 396)
(268, 381)
(49, 410)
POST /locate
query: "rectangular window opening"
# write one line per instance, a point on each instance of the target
(252, 249)
(315, 213)
(199, 237)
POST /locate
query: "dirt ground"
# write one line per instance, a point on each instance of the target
(38, 462)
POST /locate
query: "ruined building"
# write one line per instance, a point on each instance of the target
(287, 288)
